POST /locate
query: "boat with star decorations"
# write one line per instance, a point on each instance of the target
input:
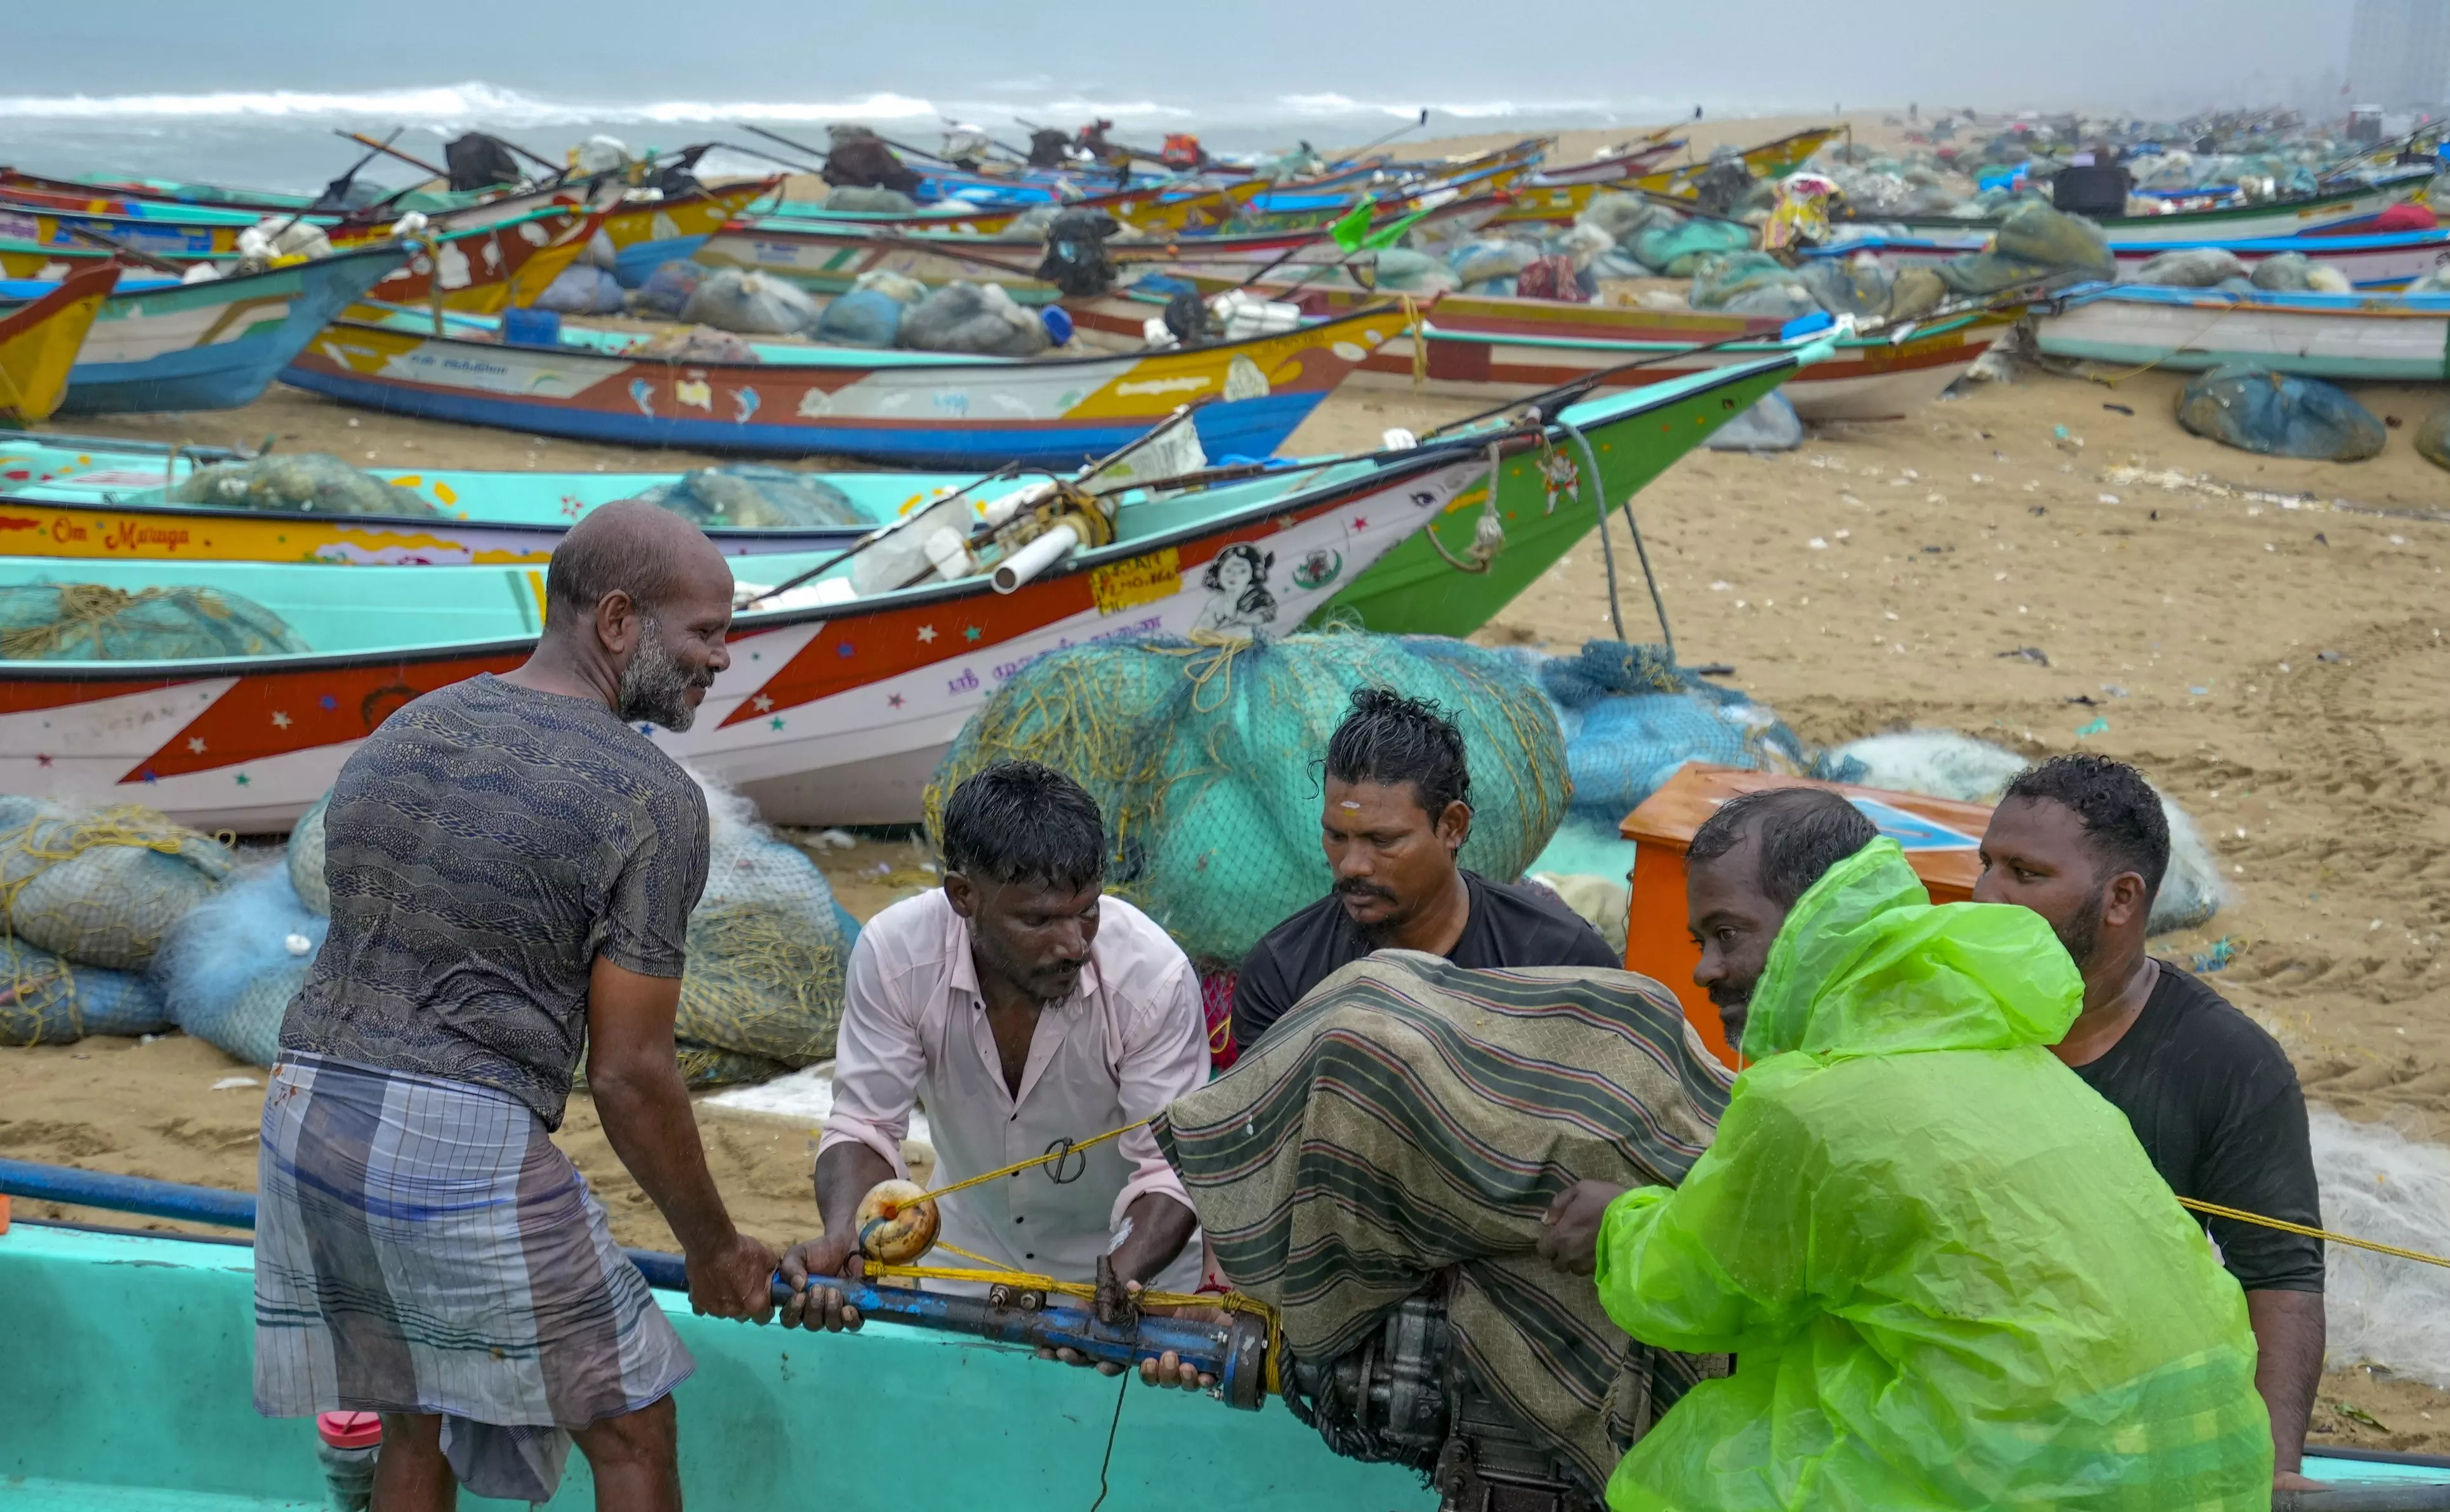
(835, 709)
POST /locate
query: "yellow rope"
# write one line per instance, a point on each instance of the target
(2113, 381)
(2326, 1235)
(1018, 1166)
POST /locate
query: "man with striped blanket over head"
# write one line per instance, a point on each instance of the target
(1407, 1126)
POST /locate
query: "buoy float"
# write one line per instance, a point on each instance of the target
(897, 1222)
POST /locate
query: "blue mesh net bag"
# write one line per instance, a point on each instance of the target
(1632, 716)
(1204, 757)
(231, 965)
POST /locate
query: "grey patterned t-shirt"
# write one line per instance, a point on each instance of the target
(483, 847)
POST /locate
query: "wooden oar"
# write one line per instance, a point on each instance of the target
(113, 243)
(388, 150)
(1354, 155)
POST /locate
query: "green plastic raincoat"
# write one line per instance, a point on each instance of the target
(1949, 1275)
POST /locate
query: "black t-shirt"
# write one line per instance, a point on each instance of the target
(1510, 926)
(2216, 1105)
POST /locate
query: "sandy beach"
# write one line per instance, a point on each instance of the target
(2278, 667)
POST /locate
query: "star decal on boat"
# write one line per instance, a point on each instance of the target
(843, 649)
(776, 723)
(279, 720)
(891, 701)
(972, 632)
(242, 778)
(761, 703)
(926, 634)
(196, 743)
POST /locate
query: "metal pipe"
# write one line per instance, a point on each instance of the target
(1236, 1353)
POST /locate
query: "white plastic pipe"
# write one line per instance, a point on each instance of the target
(1036, 558)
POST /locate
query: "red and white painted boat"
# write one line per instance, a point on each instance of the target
(833, 712)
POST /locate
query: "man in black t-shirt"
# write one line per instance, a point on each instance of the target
(1398, 807)
(2082, 840)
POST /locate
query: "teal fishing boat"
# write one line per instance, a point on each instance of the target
(934, 1406)
(68, 496)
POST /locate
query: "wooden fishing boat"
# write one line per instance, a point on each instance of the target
(2381, 337)
(87, 497)
(1495, 347)
(476, 270)
(2386, 260)
(39, 344)
(214, 345)
(103, 1319)
(961, 1396)
(1632, 164)
(2240, 223)
(838, 710)
(1554, 199)
(796, 400)
(645, 229)
(830, 260)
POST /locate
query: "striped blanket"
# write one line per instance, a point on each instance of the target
(421, 1246)
(1412, 1117)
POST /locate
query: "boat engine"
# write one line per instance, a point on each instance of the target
(1406, 1396)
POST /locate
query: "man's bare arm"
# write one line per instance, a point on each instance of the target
(844, 1174)
(2289, 1333)
(634, 1075)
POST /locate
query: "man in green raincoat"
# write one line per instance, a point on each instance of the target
(1949, 1275)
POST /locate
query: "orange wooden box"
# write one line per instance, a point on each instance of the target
(1656, 942)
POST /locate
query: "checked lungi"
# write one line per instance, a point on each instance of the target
(421, 1246)
(1412, 1120)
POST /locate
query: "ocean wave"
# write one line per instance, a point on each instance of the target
(470, 102)
(475, 102)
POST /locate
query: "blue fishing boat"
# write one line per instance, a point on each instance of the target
(217, 344)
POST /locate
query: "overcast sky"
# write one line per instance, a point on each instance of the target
(1807, 54)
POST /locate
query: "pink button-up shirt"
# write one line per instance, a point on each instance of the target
(1127, 1042)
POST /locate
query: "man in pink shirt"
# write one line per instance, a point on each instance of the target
(1023, 1007)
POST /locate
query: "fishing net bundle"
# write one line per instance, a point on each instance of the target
(2380, 1185)
(297, 483)
(1203, 756)
(1631, 716)
(768, 947)
(749, 303)
(748, 496)
(232, 965)
(76, 621)
(47, 1000)
(100, 886)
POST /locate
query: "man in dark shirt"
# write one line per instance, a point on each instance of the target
(512, 865)
(1398, 807)
(2082, 840)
